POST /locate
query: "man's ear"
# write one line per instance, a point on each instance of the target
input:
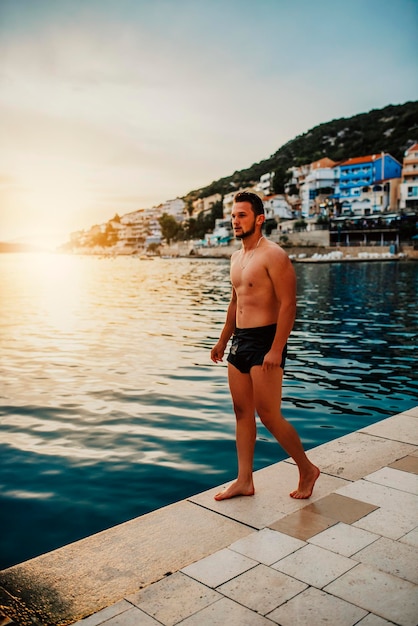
(260, 219)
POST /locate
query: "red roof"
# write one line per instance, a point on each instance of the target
(363, 159)
(413, 148)
(322, 163)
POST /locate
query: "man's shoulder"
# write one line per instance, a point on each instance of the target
(274, 250)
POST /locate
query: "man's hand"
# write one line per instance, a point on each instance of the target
(217, 352)
(272, 359)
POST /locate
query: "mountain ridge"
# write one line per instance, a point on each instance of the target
(392, 129)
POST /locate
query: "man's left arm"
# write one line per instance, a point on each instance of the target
(283, 279)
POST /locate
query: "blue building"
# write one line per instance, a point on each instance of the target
(365, 183)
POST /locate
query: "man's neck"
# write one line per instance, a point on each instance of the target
(249, 243)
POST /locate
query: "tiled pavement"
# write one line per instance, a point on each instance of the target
(347, 556)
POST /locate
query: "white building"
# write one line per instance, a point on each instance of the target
(137, 227)
(320, 182)
(265, 185)
(175, 208)
(297, 176)
(409, 184)
(277, 207)
(204, 205)
(228, 202)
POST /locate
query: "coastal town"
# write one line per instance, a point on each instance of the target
(366, 203)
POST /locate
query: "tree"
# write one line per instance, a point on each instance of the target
(153, 248)
(293, 190)
(169, 227)
(189, 230)
(269, 225)
(281, 176)
(204, 223)
(300, 225)
(217, 211)
(99, 239)
(111, 234)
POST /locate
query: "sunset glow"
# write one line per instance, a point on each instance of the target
(111, 107)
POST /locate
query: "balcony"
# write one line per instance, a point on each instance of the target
(410, 171)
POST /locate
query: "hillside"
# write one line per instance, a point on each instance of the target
(391, 129)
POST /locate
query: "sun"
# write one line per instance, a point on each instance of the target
(48, 204)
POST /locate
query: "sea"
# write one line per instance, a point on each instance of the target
(110, 406)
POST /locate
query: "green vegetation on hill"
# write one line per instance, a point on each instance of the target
(392, 129)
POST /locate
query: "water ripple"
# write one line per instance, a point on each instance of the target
(110, 406)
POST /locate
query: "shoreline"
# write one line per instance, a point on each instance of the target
(350, 259)
(307, 253)
(297, 253)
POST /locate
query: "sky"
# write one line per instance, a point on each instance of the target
(109, 106)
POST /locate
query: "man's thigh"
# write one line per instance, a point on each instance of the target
(241, 388)
(267, 388)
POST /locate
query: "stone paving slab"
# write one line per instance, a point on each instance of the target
(410, 538)
(344, 539)
(391, 557)
(271, 500)
(226, 612)
(381, 496)
(392, 523)
(191, 597)
(262, 589)
(340, 508)
(88, 575)
(267, 546)
(380, 593)
(373, 620)
(402, 427)
(406, 464)
(317, 607)
(315, 566)
(220, 567)
(346, 556)
(398, 479)
(121, 614)
(359, 453)
(302, 524)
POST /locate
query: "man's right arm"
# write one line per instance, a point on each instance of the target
(218, 350)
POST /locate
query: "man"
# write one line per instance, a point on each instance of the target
(260, 317)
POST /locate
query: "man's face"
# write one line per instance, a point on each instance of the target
(243, 220)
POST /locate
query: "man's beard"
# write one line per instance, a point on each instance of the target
(247, 233)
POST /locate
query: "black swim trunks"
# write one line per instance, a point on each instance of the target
(250, 346)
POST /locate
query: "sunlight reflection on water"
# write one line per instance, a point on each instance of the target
(111, 407)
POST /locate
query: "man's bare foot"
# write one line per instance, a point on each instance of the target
(234, 490)
(306, 484)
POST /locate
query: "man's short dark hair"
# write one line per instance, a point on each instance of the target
(255, 201)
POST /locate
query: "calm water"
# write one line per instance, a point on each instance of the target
(110, 406)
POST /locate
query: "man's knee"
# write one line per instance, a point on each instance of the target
(242, 412)
(269, 418)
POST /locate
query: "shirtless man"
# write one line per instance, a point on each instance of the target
(260, 317)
